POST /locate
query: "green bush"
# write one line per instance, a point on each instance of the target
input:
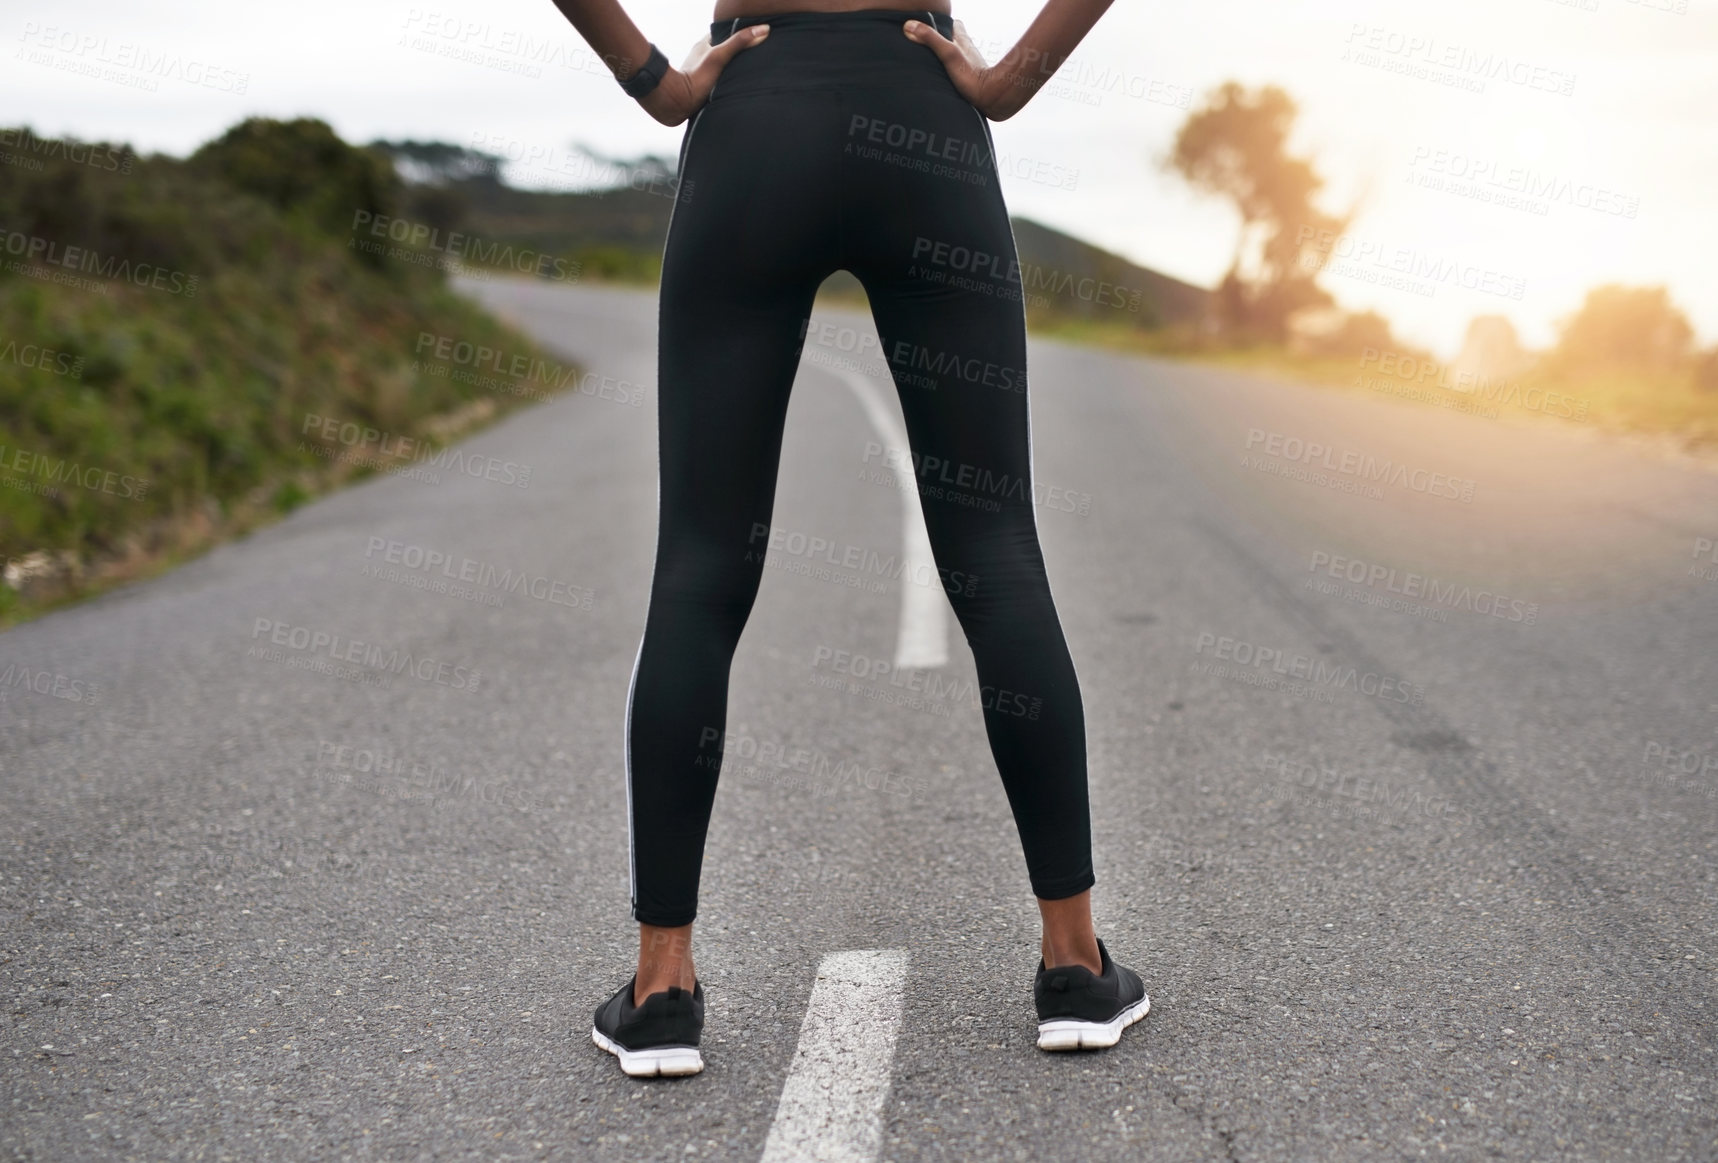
(303, 170)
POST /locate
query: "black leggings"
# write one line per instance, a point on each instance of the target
(840, 144)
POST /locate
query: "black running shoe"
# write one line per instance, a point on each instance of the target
(659, 1037)
(1080, 1010)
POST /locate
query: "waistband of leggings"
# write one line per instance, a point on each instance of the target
(721, 30)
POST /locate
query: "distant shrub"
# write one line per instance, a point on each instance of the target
(303, 169)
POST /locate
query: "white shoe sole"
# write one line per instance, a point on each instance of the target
(666, 1062)
(1074, 1034)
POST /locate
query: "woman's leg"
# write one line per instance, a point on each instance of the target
(734, 296)
(938, 262)
(971, 454)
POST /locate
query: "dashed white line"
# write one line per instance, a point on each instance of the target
(922, 640)
(831, 1108)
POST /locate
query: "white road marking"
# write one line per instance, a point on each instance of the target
(922, 641)
(831, 1108)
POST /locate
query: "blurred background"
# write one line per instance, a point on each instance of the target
(218, 219)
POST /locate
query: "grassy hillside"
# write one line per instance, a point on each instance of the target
(167, 329)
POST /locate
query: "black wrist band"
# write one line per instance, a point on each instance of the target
(648, 75)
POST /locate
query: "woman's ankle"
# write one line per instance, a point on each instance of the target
(1060, 954)
(1068, 937)
(664, 960)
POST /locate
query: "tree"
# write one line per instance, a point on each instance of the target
(1236, 146)
(1621, 326)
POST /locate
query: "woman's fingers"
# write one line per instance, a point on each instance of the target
(697, 53)
(715, 60)
(963, 42)
(955, 62)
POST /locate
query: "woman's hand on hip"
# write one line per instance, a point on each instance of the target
(683, 91)
(985, 88)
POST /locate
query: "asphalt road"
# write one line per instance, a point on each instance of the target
(1407, 873)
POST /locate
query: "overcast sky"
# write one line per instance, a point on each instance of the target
(1607, 108)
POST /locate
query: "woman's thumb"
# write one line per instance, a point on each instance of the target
(740, 42)
(927, 35)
